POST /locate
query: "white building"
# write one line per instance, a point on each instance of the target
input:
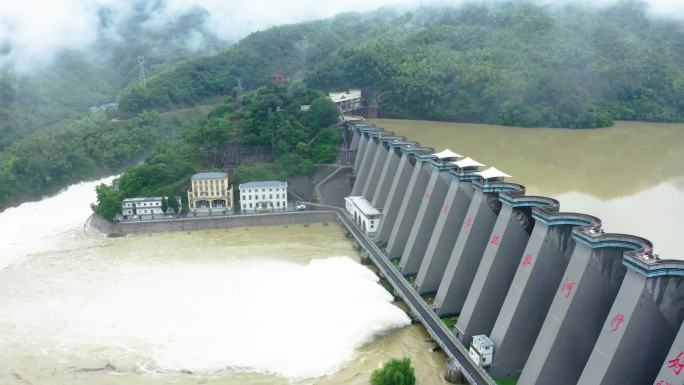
(482, 350)
(144, 208)
(259, 196)
(365, 215)
(347, 100)
(210, 193)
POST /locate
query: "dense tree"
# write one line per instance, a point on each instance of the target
(173, 204)
(164, 204)
(522, 65)
(108, 202)
(255, 171)
(89, 147)
(394, 372)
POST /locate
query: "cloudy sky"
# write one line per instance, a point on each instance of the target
(32, 31)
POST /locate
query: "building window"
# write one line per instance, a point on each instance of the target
(277, 204)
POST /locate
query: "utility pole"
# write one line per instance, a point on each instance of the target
(273, 129)
(272, 140)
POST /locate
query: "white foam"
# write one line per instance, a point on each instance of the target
(265, 316)
(76, 301)
(38, 226)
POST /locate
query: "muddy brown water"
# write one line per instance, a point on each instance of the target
(630, 175)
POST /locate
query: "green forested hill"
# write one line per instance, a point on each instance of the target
(513, 64)
(48, 139)
(288, 49)
(505, 63)
(271, 114)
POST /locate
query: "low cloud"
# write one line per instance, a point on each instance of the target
(32, 32)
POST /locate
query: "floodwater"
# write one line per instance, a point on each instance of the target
(630, 175)
(269, 305)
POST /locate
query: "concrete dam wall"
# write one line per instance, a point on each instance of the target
(563, 301)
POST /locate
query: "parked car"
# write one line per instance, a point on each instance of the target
(300, 207)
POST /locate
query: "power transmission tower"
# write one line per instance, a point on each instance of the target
(141, 65)
(239, 90)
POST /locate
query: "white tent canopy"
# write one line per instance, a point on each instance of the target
(467, 162)
(447, 154)
(491, 173)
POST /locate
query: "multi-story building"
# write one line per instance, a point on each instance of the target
(148, 208)
(365, 215)
(144, 208)
(210, 193)
(259, 196)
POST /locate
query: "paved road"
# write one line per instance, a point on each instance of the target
(446, 340)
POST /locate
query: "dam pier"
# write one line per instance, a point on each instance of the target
(562, 301)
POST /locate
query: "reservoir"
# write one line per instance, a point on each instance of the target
(630, 175)
(269, 305)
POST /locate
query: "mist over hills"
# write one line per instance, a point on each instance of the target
(35, 98)
(513, 63)
(510, 63)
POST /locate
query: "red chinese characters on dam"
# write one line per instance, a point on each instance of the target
(468, 223)
(615, 323)
(663, 382)
(527, 261)
(567, 288)
(675, 364)
(496, 240)
(445, 209)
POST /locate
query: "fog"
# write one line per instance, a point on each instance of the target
(32, 32)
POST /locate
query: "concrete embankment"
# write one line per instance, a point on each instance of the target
(206, 223)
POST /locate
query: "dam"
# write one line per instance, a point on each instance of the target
(562, 300)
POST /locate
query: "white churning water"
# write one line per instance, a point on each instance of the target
(44, 225)
(172, 303)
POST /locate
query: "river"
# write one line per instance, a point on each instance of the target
(630, 175)
(269, 305)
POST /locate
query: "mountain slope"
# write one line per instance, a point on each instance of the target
(513, 64)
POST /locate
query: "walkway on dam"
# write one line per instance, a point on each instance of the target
(474, 374)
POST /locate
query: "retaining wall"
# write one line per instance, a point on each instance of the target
(206, 223)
